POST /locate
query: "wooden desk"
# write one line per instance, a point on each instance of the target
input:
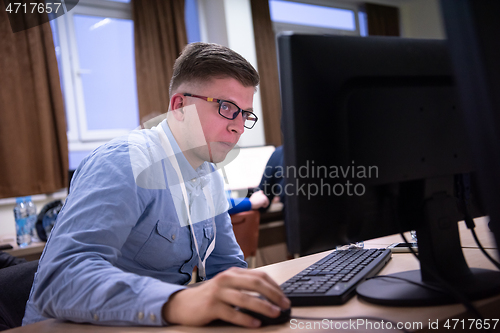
(30, 252)
(490, 308)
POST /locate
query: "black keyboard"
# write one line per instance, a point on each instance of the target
(333, 279)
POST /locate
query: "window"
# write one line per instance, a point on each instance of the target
(95, 52)
(363, 23)
(105, 74)
(316, 17)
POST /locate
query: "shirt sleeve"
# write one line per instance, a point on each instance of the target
(273, 176)
(77, 279)
(239, 205)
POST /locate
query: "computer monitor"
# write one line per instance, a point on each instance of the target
(375, 144)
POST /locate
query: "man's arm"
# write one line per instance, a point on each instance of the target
(228, 284)
(257, 200)
(77, 278)
(218, 297)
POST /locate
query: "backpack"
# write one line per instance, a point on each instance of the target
(47, 218)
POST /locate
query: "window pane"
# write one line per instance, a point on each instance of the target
(76, 157)
(363, 24)
(192, 21)
(312, 15)
(107, 68)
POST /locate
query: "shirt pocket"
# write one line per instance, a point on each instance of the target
(208, 236)
(166, 247)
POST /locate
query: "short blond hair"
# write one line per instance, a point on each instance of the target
(201, 62)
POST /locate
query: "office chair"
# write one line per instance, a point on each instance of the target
(246, 231)
(15, 287)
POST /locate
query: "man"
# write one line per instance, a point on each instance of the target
(273, 179)
(144, 210)
(258, 200)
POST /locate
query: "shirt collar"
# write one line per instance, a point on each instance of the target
(196, 178)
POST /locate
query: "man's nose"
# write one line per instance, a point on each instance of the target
(237, 124)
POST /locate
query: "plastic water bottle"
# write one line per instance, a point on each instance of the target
(31, 218)
(23, 231)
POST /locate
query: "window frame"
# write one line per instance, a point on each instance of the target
(280, 27)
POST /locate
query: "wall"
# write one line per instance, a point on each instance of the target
(418, 18)
(422, 19)
(7, 223)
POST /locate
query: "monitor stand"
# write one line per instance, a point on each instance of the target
(440, 251)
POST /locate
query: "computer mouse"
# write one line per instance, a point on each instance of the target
(265, 320)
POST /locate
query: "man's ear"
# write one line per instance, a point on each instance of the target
(177, 102)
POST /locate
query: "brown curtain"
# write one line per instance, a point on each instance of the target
(34, 147)
(268, 70)
(160, 35)
(382, 20)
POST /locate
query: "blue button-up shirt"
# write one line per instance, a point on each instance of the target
(120, 246)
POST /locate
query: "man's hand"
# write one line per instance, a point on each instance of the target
(216, 299)
(259, 200)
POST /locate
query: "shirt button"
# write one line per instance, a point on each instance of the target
(152, 317)
(96, 317)
(140, 315)
(173, 236)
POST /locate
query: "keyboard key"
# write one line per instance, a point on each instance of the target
(300, 291)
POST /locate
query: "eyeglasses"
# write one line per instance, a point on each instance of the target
(229, 110)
